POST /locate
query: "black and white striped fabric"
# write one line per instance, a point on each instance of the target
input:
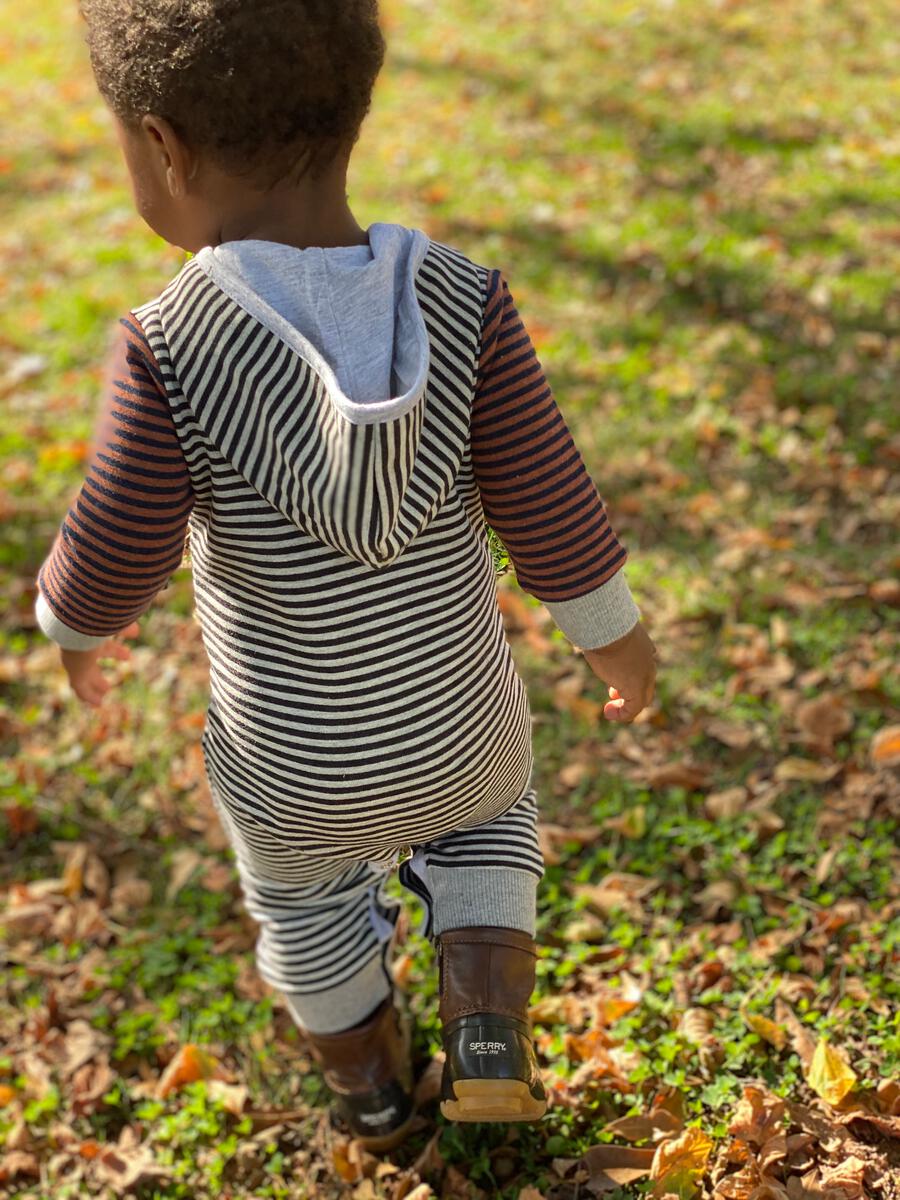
(362, 692)
(326, 944)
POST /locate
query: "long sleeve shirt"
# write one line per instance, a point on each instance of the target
(124, 534)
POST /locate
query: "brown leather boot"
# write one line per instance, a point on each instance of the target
(369, 1071)
(486, 980)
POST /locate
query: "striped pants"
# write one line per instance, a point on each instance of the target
(326, 945)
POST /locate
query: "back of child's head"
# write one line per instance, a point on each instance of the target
(263, 87)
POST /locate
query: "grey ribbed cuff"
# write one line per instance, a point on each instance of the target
(467, 896)
(57, 631)
(600, 616)
(344, 1005)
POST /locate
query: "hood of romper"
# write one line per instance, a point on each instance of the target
(337, 454)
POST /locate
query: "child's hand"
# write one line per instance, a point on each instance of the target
(83, 666)
(629, 667)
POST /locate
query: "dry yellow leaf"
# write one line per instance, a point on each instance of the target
(829, 1074)
(73, 872)
(679, 1163)
(769, 1031)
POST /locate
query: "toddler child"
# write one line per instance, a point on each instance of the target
(333, 413)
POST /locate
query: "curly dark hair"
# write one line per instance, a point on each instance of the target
(262, 86)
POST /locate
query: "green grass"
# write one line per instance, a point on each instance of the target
(695, 207)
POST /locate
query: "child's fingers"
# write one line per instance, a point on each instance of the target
(623, 709)
(92, 693)
(91, 686)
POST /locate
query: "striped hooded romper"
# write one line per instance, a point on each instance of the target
(363, 699)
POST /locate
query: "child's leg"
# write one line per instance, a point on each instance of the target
(325, 946)
(480, 885)
(325, 925)
(486, 875)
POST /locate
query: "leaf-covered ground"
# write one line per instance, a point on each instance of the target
(694, 202)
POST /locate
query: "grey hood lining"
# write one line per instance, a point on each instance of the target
(356, 413)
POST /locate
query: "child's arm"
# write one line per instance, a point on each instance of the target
(124, 533)
(539, 498)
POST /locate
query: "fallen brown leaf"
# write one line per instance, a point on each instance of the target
(554, 838)
(801, 1039)
(845, 1178)
(738, 737)
(17, 1163)
(830, 1136)
(806, 770)
(126, 1166)
(73, 871)
(189, 1064)
(885, 747)
(130, 896)
(717, 897)
(184, 863)
(647, 1127)
(232, 1095)
(725, 805)
(83, 1043)
(611, 1167)
(582, 1047)
(696, 1025)
(885, 591)
(617, 890)
(678, 774)
(823, 719)
(740, 1185)
(90, 1083)
(21, 820)
(346, 1160)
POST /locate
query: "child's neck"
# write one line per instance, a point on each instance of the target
(311, 213)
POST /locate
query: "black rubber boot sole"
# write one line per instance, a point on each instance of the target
(491, 1073)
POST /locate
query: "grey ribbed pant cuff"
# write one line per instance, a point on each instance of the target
(467, 896)
(344, 1005)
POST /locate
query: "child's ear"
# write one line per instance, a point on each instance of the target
(174, 157)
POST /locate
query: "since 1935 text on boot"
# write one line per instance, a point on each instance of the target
(487, 975)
